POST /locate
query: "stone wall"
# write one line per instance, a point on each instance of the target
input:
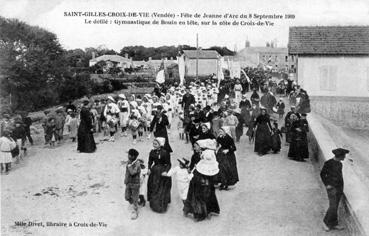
(350, 112)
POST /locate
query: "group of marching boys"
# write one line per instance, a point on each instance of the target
(133, 115)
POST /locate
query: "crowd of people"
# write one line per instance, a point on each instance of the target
(211, 125)
(213, 128)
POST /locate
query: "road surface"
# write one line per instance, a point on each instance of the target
(83, 194)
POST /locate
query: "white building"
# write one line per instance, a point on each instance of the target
(333, 66)
(207, 62)
(122, 62)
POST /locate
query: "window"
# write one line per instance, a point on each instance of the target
(328, 78)
(286, 58)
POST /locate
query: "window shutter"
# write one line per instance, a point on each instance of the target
(323, 77)
(332, 78)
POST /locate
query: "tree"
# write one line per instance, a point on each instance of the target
(32, 62)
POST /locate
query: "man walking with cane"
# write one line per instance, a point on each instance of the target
(332, 178)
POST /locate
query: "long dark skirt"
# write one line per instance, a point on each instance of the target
(239, 131)
(201, 199)
(288, 134)
(304, 152)
(250, 130)
(228, 174)
(294, 151)
(86, 141)
(263, 139)
(276, 143)
(158, 189)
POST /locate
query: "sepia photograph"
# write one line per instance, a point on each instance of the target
(184, 118)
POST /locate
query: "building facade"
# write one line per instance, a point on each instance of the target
(333, 66)
(276, 58)
(208, 62)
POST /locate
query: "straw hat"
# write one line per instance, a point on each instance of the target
(111, 98)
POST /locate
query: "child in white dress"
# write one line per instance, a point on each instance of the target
(183, 177)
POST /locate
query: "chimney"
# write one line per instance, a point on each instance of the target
(247, 44)
(126, 55)
(93, 55)
(150, 58)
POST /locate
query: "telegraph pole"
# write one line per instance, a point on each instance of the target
(197, 57)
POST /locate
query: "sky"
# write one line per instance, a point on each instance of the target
(72, 32)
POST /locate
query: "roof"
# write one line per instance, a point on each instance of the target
(262, 50)
(203, 54)
(329, 40)
(115, 58)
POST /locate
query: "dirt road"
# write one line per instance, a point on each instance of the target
(83, 194)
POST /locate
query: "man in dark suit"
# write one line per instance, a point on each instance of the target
(187, 100)
(332, 178)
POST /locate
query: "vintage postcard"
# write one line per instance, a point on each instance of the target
(123, 117)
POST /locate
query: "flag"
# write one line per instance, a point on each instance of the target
(244, 73)
(160, 76)
(220, 74)
(181, 69)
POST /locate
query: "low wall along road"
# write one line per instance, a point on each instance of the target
(354, 209)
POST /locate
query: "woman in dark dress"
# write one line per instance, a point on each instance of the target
(255, 98)
(158, 186)
(241, 122)
(195, 156)
(298, 150)
(228, 174)
(201, 199)
(263, 137)
(86, 142)
(206, 132)
(255, 112)
(159, 126)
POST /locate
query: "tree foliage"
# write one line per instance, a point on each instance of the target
(37, 72)
(32, 63)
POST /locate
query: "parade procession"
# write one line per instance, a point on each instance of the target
(107, 130)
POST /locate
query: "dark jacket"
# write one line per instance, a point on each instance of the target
(226, 142)
(19, 133)
(159, 157)
(194, 132)
(194, 160)
(133, 171)
(331, 173)
(159, 128)
(187, 100)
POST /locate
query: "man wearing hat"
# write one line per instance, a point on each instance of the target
(187, 100)
(332, 178)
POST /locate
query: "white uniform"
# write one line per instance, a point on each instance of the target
(183, 180)
(124, 112)
(6, 145)
(238, 93)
